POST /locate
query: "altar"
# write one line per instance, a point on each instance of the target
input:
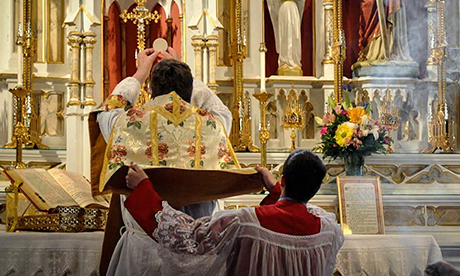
(50, 254)
(387, 255)
(78, 254)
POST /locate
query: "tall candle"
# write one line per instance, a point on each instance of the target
(262, 71)
(20, 56)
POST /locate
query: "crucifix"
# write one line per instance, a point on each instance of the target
(141, 16)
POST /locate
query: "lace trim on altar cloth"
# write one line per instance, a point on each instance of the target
(50, 254)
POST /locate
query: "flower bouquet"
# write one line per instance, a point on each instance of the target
(349, 133)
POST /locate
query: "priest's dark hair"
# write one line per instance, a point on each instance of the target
(303, 174)
(172, 75)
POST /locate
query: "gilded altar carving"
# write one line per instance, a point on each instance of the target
(404, 215)
(443, 215)
(398, 173)
(435, 174)
(403, 174)
(453, 168)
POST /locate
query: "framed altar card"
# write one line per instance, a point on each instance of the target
(360, 205)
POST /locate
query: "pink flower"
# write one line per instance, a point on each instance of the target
(328, 118)
(323, 130)
(338, 109)
(344, 112)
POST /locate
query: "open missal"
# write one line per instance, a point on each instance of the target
(48, 189)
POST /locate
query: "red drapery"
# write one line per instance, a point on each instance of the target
(113, 46)
(160, 29)
(306, 32)
(131, 44)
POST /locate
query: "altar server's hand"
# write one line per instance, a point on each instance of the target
(269, 179)
(145, 60)
(135, 175)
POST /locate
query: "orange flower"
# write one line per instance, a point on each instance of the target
(356, 114)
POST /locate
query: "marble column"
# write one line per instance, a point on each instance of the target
(89, 40)
(212, 43)
(328, 31)
(74, 40)
(198, 43)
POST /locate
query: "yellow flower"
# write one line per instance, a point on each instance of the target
(356, 114)
(344, 131)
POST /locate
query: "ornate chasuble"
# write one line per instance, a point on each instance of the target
(167, 131)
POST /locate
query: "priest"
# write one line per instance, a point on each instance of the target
(167, 131)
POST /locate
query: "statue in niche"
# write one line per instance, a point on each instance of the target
(375, 105)
(309, 127)
(412, 126)
(272, 120)
(365, 99)
(281, 98)
(409, 129)
(398, 104)
(409, 119)
(50, 110)
(358, 97)
(383, 40)
(286, 16)
(398, 99)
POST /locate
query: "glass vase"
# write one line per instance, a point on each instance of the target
(354, 165)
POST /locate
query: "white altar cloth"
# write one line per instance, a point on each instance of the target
(50, 254)
(387, 255)
(78, 254)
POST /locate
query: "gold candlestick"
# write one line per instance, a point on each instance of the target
(441, 136)
(27, 122)
(292, 117)
(21, 132)
(338, 50)
(240, 136)
(264, 134)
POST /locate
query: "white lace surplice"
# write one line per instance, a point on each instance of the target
(233, 243)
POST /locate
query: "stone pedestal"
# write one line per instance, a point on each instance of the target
(383, 68)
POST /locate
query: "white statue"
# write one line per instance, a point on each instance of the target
(286, 16)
